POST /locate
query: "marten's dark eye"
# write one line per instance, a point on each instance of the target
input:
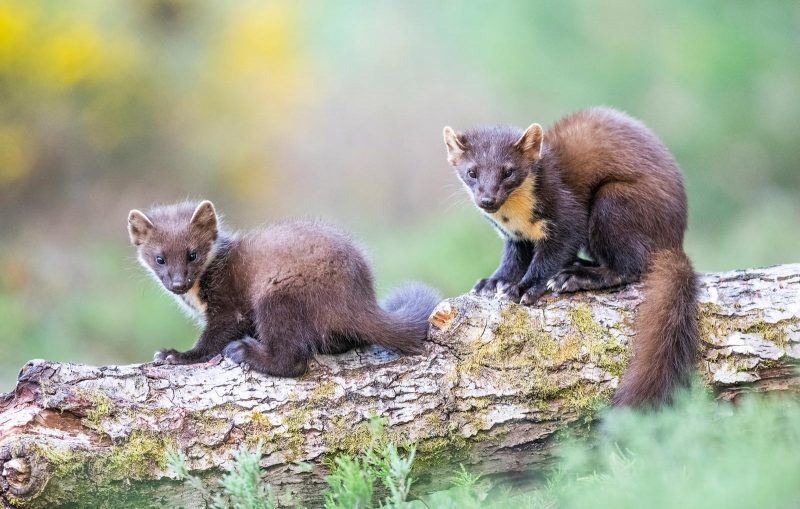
(192, 256)
(471, 173)
(508, 172)
(160, 260)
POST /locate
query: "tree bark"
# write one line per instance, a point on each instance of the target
(497, 381)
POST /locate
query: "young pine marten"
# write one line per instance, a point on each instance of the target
(601, 182)
(273, 297)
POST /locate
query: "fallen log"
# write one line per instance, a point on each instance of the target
(497, 381)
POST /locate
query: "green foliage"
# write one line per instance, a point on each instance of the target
(352, 481)
(395, 473)
(696, 454)
(465, 479)
(241, 488)
(351, 484)
(712, 455)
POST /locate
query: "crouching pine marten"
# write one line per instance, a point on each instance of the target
(273, 297)
(600, 182)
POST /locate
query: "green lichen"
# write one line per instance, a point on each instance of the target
(585, 399)
(715, 324)
(293, 438)
(769, 363)
(64, 463)
(137, 456)
(519, 342)
(91, 478)
(581, 317)
(322, 391)
(474, 402)
(101, 406)
(544, 385)
(260, 430)
(342, 437)
(206, 424)
(772, 332)
(603, 349)
(523, 345)
(443, 443)
(16, 501)
(132, 459)
(260, 420)
(516, 343)
(286, 435)
(437, 452)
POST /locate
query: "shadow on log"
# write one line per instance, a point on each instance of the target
(498, 380)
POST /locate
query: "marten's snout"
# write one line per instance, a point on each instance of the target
(487, 203)
(179, 284)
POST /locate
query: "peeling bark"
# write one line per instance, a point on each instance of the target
(498, 380)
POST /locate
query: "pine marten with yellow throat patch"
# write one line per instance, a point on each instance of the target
(600, 182)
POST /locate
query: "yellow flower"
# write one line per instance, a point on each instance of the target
(16, 154)
(16, 24)
(74, 55)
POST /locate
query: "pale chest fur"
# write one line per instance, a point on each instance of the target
(192, 304)
(515, 218)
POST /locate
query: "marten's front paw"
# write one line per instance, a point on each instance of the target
(484, 286)
(487, 287)
(531, 296)
(512, 292)
(565, 282)
(168, 356)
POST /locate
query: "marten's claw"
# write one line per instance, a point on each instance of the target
(490, 286)
(531, 296)
(512, 292)
(566, 282)
(168, 356)
(485, 287)
(162, 355)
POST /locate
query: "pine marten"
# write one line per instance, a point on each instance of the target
(601, 183)
(273, 297)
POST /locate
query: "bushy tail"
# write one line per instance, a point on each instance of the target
(665, 345)
(402, 321)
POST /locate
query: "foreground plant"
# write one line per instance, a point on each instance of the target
(697, 453)
(241, 488)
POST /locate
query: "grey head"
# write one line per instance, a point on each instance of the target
(493, 161)
(176, 242)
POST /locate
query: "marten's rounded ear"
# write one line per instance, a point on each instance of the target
(530, 143)
(205, 217)
(139, 227)
(456, 146)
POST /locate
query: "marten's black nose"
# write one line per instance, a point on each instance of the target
(178, 285)
(487, 203)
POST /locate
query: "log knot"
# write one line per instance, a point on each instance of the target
(17, 472)
(23, 473)
(442, 315)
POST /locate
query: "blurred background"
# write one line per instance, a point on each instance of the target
(335, 110)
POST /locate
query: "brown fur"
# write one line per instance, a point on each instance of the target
(606, 184)
(666, 332)
(273, 297)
